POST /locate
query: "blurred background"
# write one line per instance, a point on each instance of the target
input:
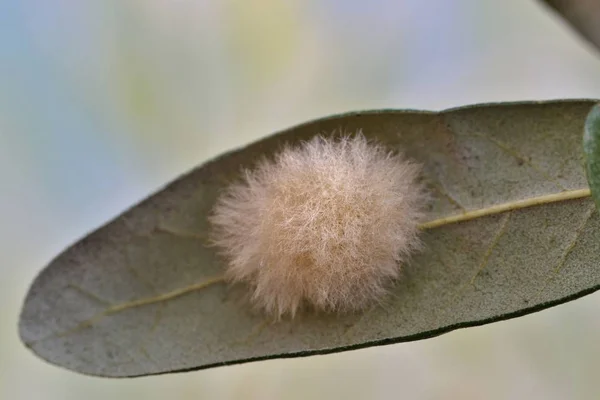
(103, 102)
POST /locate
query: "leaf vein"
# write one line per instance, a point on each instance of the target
(470, 215)
(438, 187)
(563, 259)
(133, 304)
(509, 206)
(514, 153)
(88, 294)
(493, 244)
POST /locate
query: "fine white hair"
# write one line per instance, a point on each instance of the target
(324, 225)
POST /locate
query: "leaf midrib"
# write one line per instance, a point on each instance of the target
(436, 223)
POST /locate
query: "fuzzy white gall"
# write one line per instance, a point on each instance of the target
(326, 225)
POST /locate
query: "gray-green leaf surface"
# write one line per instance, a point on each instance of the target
(512, 231)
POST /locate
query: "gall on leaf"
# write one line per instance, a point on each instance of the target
(325, 225)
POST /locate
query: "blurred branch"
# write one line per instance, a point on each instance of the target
(583, 15)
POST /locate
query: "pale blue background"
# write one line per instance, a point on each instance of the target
(102, 102)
